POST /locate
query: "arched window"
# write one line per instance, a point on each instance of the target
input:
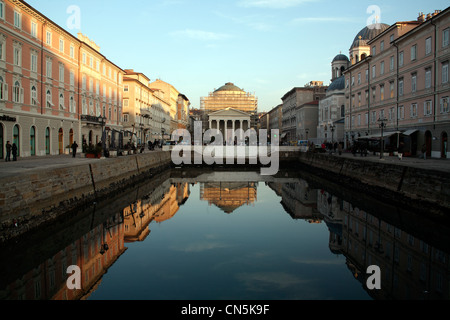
(33, 96)
(3, 90)
(49, 99)
(33, 141)
(61, 101)
(17, 92)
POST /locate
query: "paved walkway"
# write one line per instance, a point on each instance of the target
(9, 169)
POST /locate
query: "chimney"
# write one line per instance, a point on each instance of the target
(421, 17)
(436, 12)
(428, 16)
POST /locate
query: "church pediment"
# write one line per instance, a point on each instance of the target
(229, 112)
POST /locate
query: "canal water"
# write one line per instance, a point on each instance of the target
(215, 235)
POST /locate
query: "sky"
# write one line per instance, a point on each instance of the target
(265, 47)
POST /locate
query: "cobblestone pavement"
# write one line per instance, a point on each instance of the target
(28, 164)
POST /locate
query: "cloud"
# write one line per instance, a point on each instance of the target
(200, 246)
(273, 4)
(200, 35)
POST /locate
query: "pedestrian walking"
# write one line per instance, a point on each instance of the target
(8, 151)
(400, 150)
(14, 151)
(74, 149)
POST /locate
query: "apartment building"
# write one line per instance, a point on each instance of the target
(300, 111)
(55, 88)
(402, 86)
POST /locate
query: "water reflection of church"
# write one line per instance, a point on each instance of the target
(229, 196)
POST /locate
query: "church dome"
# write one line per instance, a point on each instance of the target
(368, 33)
(229, 87)
(341, 57)
(337, 84)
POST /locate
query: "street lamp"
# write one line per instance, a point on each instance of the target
(382, 123)
(332, 127)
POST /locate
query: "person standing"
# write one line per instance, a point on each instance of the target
(14, 151)
(74, 149)
(8, 151)
(424, 152)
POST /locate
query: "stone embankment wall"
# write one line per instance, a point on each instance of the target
(39, 196)
(398, 182)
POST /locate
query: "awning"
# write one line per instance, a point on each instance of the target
(378, 135)
(409, 132)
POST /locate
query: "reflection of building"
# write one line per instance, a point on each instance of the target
(229, 196)
(242, 108)
(159, 206)
(300, 201)
(410, 268)
(93, 253)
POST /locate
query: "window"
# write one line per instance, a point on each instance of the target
(83, 82)
(374, 116)
(400, 59)
(359, 78)
(413, 52)
(2, 10)
(61, 45)
(392, 114)
(382, 67)
(374, 93)
(34, 62)
(382, 92)
(381, 46)
(84, 58)
(428, 108)
(401, 112)
(125, 118)
(400, 87)
(374, 71)
(445, 105)
(72, 105)
(49, 99)
(445, 37)
(17, 93)
(359, 120)
(17, 56)
(414, 82)
(61, 72)
(33, 29)
(374, 50)
(392, 89)
(61, 101)
(445, 72)
(391, 38)
(49, 68)
(17, 19)
(3, 89)
(72, 52)
(72, 78)
(48, 38)
(353, 81)
(428, 78)
(125, 88)
(391, 64)
(413, 111)
(33, 96)
(428, 46)
(367, 75)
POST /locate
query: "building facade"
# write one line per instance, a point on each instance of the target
(239, 108)
(332, 108)
(54, 88)
(299, 122)
(402, 87)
